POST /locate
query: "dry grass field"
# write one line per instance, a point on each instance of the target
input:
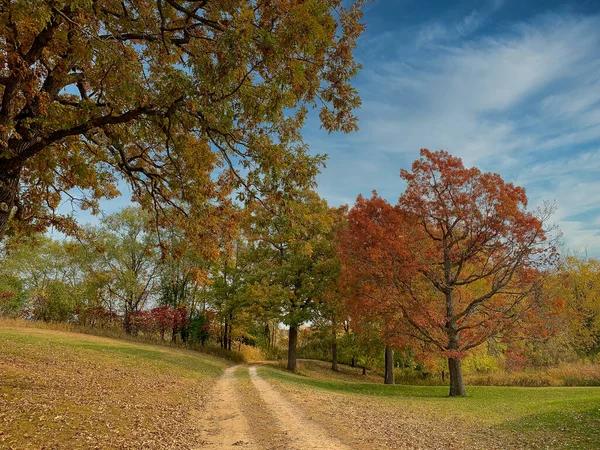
(67, 390)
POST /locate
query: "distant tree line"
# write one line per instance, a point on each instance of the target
(457, 271)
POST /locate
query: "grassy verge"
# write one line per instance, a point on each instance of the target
(245, 354)
(318, 369)
(65, 390)
(545, 417)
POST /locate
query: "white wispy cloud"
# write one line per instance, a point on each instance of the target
(524, 103)
(463, 96)
(437, 31)
(572, 182)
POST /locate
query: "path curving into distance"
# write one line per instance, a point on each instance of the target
(246, 412)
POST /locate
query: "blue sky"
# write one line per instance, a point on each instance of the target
(512, 87)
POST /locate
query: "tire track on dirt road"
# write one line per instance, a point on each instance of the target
(230, 428)
(302, 432)
(248, 413)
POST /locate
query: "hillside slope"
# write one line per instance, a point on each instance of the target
(67, 390)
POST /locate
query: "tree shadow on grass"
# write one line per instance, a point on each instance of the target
(561, 428)
(380, 390)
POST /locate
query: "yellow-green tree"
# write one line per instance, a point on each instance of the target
(39, 280)
(183, 99)
(579, 288)
(129, 261)
(291, 239)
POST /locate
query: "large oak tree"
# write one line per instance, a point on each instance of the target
(184, 99)
(458, 260)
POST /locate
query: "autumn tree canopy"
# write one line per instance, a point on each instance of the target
(579, 288)
(457, 261)
(292, 242)
(185, 100)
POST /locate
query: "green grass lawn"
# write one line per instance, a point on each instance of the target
(183, 362)
(564, 417)
(174, 357)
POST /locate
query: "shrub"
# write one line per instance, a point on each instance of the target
(12, 296)
(250, 353)
(480, 362)
(408, 375)
(55, 303)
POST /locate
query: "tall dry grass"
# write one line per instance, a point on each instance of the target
(528, 379)
(582, 374)
(572, 374)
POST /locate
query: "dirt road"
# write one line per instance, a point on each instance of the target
(224, 409)
(245, 411)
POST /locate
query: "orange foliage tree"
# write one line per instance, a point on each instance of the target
(458, 260)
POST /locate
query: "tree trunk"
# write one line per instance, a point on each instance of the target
(334, 359)
(353, 363)
(267, 335)
(389, 365)
(230, 331)
(174, 336)
(9, 189)
(292, 349)
(457, 384)
(364, 372)
(127, 325)
(224, 340)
